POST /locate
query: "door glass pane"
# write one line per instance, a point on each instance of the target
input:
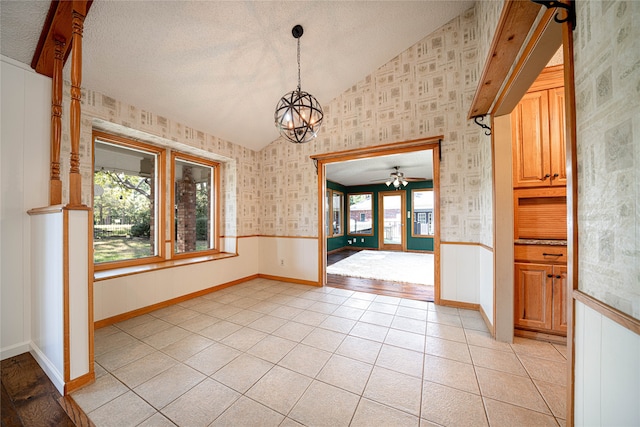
(422, 205)
(392, 220)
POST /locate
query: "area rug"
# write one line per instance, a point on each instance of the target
(407, 267)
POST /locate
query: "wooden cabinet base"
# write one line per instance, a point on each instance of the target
(540, 336)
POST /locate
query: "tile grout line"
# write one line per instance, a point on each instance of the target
(283, 292)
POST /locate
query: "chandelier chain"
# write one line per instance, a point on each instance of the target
(299, 85)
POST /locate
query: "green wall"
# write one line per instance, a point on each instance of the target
(413, 243)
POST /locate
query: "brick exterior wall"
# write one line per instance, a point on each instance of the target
(186, 215)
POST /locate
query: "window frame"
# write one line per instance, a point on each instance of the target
(370, 193)
(413, 214)
(160, 192)
(330, 194)
(215, 210)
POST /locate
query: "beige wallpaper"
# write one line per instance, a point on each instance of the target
(607, 76)
(424, 91)
(241, 170)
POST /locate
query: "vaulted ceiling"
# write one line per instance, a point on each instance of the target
(221, 66)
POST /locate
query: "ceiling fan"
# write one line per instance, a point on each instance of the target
(397, 178)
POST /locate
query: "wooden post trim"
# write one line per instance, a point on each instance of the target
(55, 184)
(75, 179)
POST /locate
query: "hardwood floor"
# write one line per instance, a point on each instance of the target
(373, 286)
(29, 398)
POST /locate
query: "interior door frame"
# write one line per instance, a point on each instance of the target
(403, 221)
(544, 35)
(321, 160)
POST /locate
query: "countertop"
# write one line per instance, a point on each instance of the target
(540, 242)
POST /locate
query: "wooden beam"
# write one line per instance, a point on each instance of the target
(507, 43)
(57, 26)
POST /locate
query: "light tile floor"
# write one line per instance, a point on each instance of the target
(270, 353)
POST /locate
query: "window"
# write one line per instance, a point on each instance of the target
(337, 213)
(422, 209)
(126, 201)
(360, 214)
(333, 210)
(129, 205)
(195, 191)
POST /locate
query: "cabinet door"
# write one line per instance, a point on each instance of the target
(559, 299)
(558, 157)
(533, 295)
(530, 137)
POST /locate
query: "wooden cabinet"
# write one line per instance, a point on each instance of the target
(540, 288)
(540, 211)
(557, 149)
(538, 129)
(559, 298)
(540, 297)
(533, 308)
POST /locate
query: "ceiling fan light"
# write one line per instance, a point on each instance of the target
(405, 182)
(396, 183)
(388, 182)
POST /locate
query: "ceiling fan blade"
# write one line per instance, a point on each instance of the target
(415, 179)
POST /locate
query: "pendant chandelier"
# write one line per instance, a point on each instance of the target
(298, 114)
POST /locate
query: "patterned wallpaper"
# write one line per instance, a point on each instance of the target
(607, 77)
(424, 91)
(241, 170)
(488, 14)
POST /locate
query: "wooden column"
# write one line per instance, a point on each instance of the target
(75, 179)
(55, 184)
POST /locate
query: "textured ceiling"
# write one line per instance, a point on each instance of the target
(221, 66)
(376, 170)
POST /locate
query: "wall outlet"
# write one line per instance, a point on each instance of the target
(349, 241)
(362, 240)
(281, 262)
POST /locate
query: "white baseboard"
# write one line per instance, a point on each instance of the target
(56, 377)
(14, 350)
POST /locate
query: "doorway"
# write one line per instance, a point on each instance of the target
(391, 221)
(353, 161)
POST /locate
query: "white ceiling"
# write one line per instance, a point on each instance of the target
(221, 66)
(418, 164)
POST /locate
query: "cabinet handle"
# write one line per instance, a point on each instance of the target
(558, 277)
(549, 275)
(545, 177)
(546, 254)
(555, 175)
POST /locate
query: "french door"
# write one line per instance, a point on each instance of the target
(391, 221)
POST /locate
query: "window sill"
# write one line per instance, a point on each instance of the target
(137, 269)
